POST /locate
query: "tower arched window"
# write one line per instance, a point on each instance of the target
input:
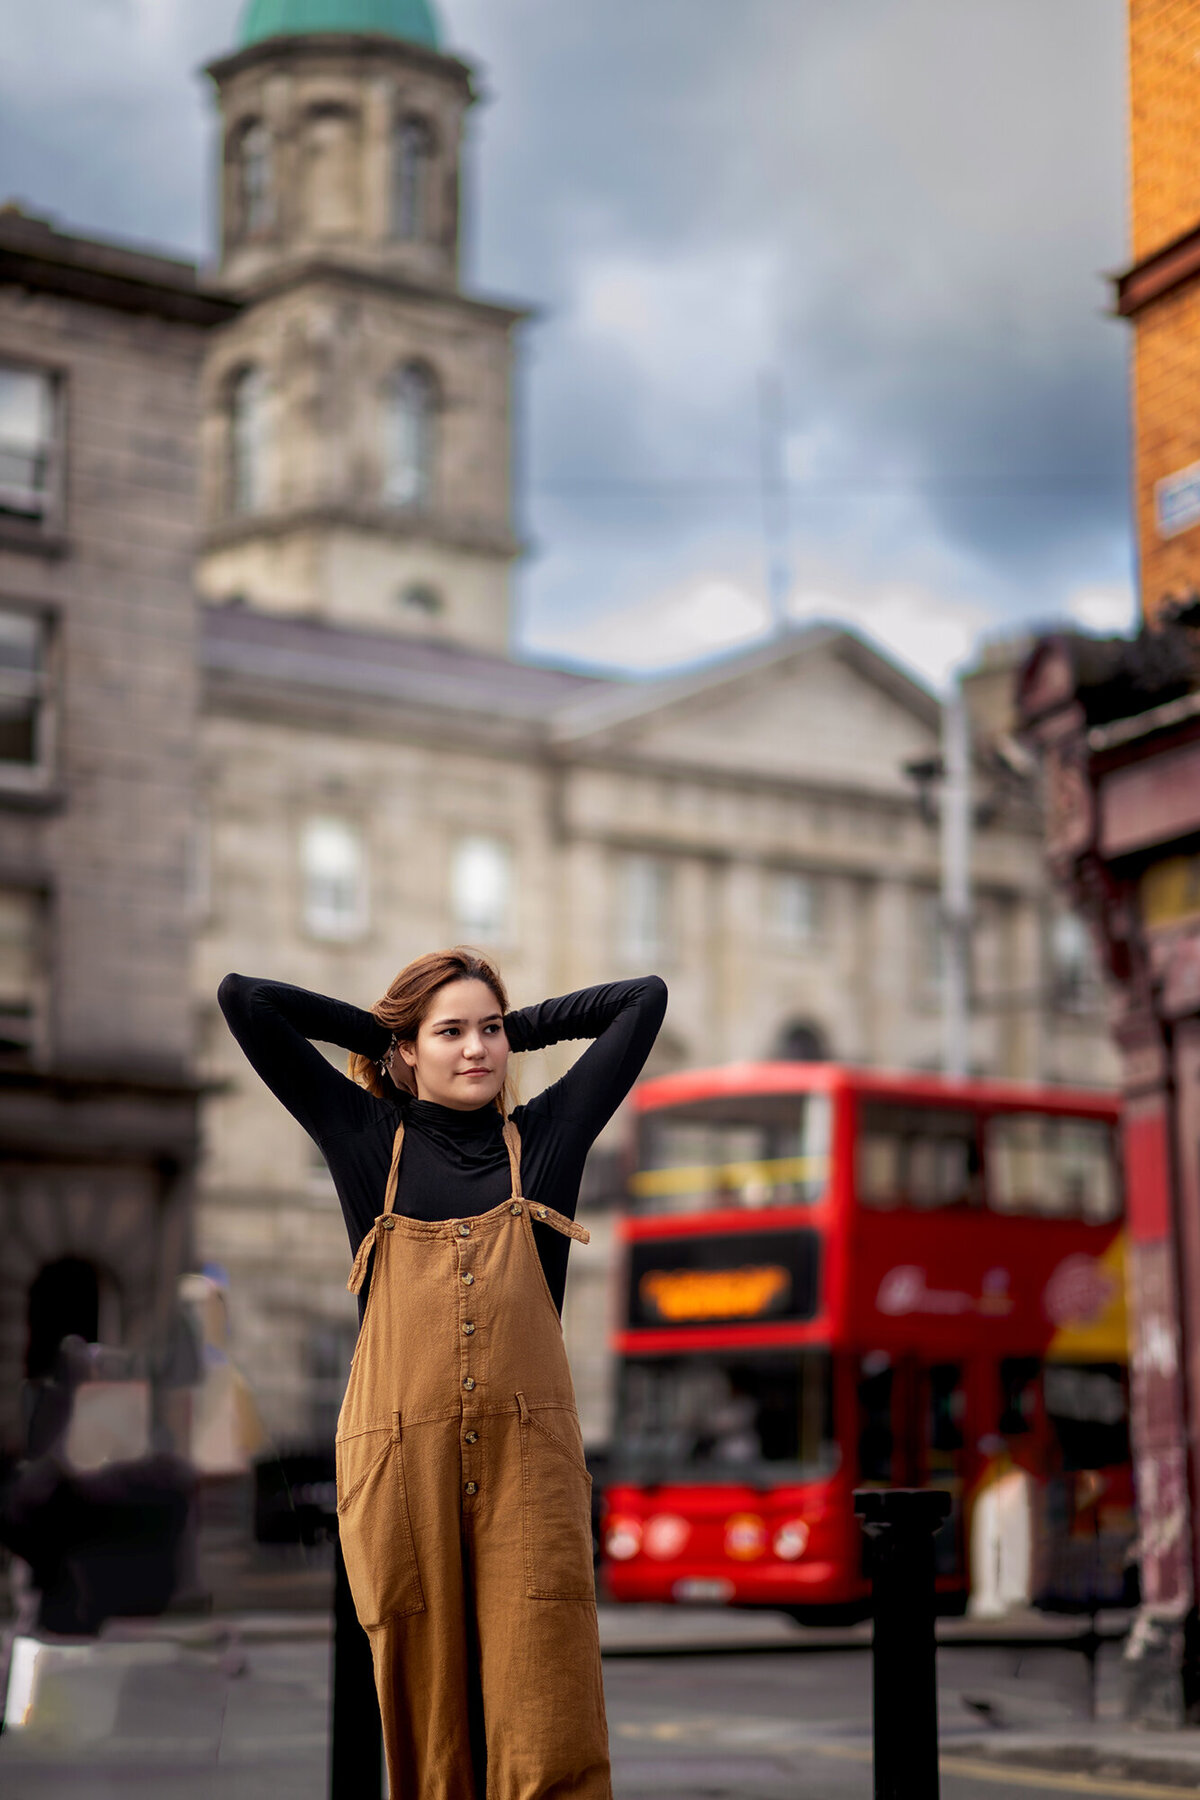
(412, 160)
(409, 408)
(256, 204)
(248, 441)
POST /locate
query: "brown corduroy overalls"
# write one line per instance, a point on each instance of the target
(464, 1507)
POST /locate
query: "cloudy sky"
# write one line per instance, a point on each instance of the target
(883, 223)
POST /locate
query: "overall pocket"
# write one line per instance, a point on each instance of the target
(557, 1506)
(374, 1527)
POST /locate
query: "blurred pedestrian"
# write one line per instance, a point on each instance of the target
(463, 1495)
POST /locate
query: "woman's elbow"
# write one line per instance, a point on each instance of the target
(234, 994)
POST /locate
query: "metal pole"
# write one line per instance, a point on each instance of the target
(774, 495)
(355, 1731)
(900, 1524)
(956, 887)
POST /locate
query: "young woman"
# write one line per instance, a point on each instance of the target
(463, 1497)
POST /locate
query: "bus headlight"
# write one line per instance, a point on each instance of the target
(622, 1538)
(791, 1540)
(665, 1536)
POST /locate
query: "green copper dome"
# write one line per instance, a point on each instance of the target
(411, 20)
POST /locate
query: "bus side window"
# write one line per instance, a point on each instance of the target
(1018, 1394)
(1052, 1167)
(876, 1440)
(920, 1156)
(947, 1403)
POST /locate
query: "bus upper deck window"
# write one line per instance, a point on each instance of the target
(919, 1156)
(1053, 1167)
(753, 1152)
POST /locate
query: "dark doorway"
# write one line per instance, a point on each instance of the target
(801, 1041)
(64, 1301)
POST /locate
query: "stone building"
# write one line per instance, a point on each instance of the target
(100, 352)
(381, 776)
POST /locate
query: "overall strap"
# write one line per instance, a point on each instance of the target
(512, 1143)
(393, 1180)
(546, 1215)
(358, 1273)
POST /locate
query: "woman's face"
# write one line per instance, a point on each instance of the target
(460, 1056)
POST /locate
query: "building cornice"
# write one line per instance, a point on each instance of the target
(1159, 274)
(35, 256)
(308, 270)
(438, 528)
(321, 46)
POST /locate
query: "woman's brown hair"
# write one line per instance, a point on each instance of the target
(407, 1003)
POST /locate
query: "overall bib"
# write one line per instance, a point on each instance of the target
(464, 1510)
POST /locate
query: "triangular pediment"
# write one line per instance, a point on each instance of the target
(820, 705)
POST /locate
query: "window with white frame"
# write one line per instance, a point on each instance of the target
(797, 908)
(409, 404)
(20, 971)
(28, 442)
(412, 159)
(481, 881)
(248, 433)
(24, 716)
(644, 904)
(333, 867)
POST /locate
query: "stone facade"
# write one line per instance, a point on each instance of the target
(100, 352)
(794, 882)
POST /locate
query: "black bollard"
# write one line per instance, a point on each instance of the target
(900, 1524)
(355, 1732)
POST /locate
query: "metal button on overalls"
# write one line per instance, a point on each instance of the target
(457, 1547)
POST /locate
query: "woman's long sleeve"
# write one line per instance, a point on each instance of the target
(275, 1024)
(623, 1017)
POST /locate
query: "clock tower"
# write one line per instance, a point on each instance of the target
(358, 411)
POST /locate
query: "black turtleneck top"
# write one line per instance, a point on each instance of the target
(454, 1164)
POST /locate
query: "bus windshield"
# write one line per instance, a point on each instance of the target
(762, 1417)
(746, 1151)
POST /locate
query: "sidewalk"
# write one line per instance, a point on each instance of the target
(723, 1631)
(656, 1630)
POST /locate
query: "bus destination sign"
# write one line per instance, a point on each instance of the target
(723, 1280)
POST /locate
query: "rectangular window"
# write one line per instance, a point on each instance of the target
(797, 909)
(20, 973)
(746, 1154)
(24, 723)
(919, 1156)
(333, 863)
(1074, 969)
(27, 442)
(644, 909)
(481, 889)
(756, 1417)
(1052, 1167)
(929, 945)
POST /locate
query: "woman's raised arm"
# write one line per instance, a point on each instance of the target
(623, 1017)
(275, 1024)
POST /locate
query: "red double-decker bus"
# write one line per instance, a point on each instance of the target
(834, 1278)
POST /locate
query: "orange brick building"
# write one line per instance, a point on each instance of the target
(1160, 293)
